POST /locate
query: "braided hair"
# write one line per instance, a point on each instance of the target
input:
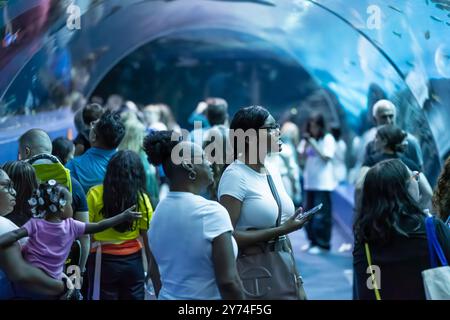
(123, 187)
(49, 198)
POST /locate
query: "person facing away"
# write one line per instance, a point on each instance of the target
(133, 140)
(192, 247)
(319, 148)
(390, 143)
(105, 135)
(52, 229)
(63, 149)
(117, 252)
(390, 221)
(90, 113)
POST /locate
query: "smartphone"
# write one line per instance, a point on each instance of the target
(310, 212)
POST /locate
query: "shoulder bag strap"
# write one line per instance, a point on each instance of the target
(276, 196)
(433, 244)
(372, 274)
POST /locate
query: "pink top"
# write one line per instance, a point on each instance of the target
(49, 243)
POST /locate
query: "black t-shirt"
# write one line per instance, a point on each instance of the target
(401, 263)
(83, 139)
(373, 159)
(79, 203)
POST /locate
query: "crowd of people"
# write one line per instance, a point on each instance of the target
(133, 202)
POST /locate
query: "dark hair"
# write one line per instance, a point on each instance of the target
(92, 112)
(441, 196)
(47, 199)
(124, 186)
(158, 146)
(336, 132)
(25, 182)
(217, 111)
(252, 117)
(110, 129)
(61, 148)
(319, 119)
(385, 200)
(393, 136)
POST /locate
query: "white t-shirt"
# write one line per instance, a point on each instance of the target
(318, 174)
(7, 225)
(181, 234)
(259, 208)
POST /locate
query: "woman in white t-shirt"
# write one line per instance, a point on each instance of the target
(192, 247)
(318, 147)
(14, 270)
(244, 188)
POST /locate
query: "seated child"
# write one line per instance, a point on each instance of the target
(52, 230)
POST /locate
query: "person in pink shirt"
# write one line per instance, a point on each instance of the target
(52, 230)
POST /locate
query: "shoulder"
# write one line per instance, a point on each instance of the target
(95, 192)
(233, 181)
(412, 139)
(6, 225)
(328, 138)
(235, 170)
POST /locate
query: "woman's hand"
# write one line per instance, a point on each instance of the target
(293, 224)
(130, 214)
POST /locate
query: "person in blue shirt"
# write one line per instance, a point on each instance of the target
(105, 135)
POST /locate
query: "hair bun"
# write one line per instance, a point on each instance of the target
(158, 146)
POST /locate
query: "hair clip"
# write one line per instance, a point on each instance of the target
(53, 208)
(33, 211)
(49, 190)
(42, 213)
(52, 182)
(62, 202)
(54, 198)
(41, 201)
(37, 192)
(32, 202)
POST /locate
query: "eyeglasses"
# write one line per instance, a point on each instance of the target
(8, 187)
(416, 175)
(273, 127)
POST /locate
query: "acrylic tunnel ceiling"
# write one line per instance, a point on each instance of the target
(283, 54)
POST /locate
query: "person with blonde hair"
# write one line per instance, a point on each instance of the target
(133, 140)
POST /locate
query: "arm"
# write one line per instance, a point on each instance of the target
(227, 278)
(79, 150)
(9, 238)
(111, 222)
(250, 237)
(85, 240)
(144, 236)
(27, 276)
(154, 273)
(313, 143)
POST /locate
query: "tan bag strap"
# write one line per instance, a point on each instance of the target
(372, 275)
